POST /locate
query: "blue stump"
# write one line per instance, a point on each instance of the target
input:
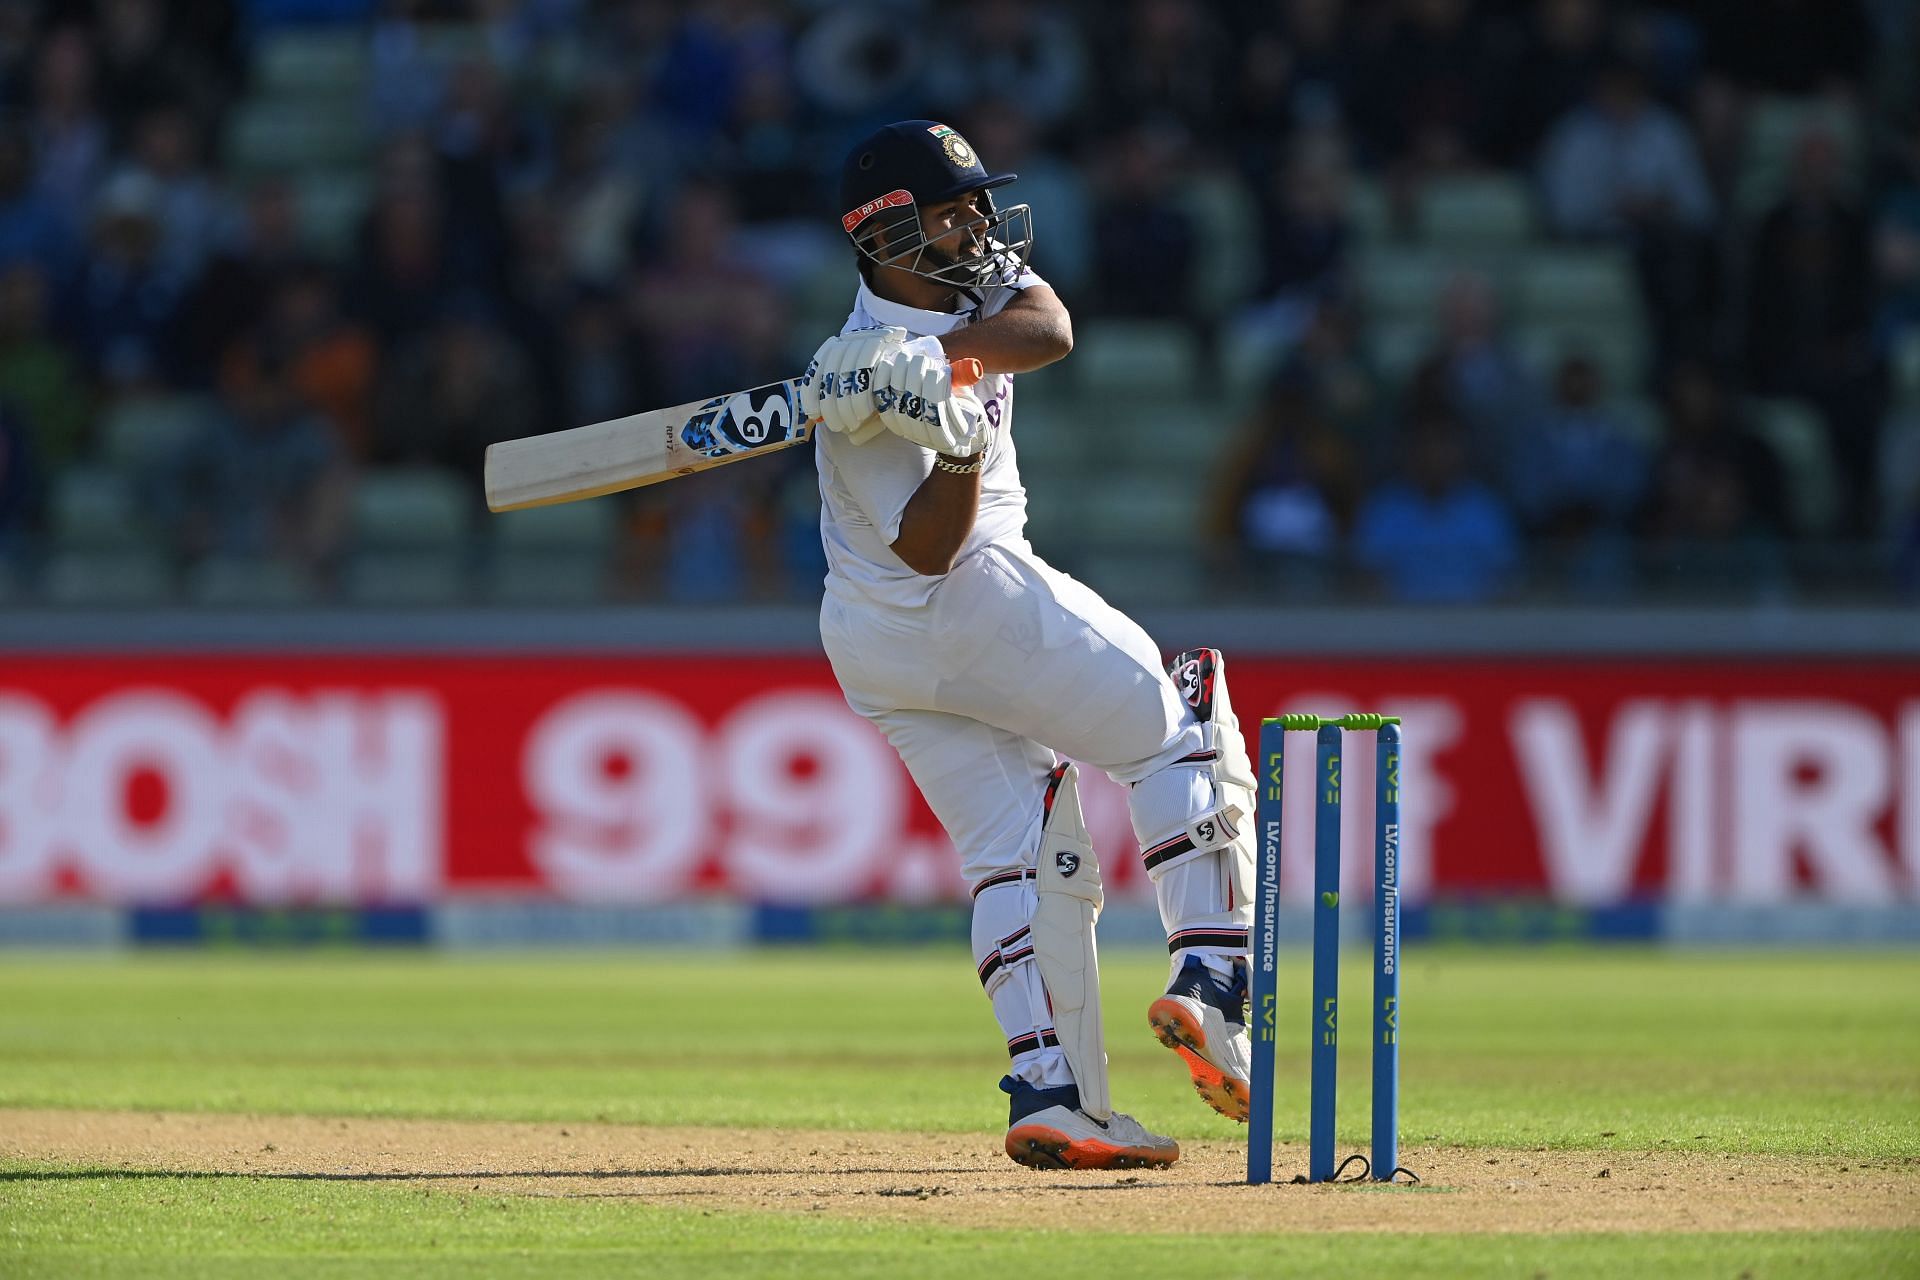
(1325, 1028)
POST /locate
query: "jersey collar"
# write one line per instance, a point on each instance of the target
(912, 319)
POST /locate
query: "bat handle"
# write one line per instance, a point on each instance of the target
(966, 371)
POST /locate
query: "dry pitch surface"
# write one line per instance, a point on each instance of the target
(961, 1180)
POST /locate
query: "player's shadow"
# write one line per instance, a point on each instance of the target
(296, 1175)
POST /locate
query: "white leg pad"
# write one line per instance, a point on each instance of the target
(1070, 897)
(1003, 958)
(1195, 823)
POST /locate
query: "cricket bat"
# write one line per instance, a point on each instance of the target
(646, 448)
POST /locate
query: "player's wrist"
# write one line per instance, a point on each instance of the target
(952, 465)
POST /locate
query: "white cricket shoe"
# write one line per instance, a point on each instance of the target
(1059, 1138)
(1049, 1131)
(1192, 1019)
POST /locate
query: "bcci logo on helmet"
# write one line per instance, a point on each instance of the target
(954, 145)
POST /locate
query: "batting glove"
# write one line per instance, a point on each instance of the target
(917, 401)
(840, 382)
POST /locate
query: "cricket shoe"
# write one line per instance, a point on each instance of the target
(1046, 1129)
(1203, 1019)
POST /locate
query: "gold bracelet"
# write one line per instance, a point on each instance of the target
(961, 468)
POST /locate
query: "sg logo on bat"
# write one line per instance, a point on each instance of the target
(742, 422)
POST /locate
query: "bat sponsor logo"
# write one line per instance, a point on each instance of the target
(741, 422)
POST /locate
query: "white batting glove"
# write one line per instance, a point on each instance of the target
(840, 382)
(917, 402)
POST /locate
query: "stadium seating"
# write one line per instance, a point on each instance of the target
(1775, 127)
(232, 581)
(1493, 211)
(1798, 437)
(268, 136)
(93, 510)
(410, 509)
(552, 555)
(104, 578)
(1577, 284)
(1905, 369)
(300, 63)
(141, 433)
(409, 529)
(332, 203)
(1227, 228)
(1127, 356)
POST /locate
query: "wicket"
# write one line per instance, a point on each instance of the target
(1324, 1024)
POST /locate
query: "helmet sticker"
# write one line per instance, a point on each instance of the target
(891, 200)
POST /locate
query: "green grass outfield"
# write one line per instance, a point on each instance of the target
(1788, 1054)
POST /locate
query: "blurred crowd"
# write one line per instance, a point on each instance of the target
(254, 251)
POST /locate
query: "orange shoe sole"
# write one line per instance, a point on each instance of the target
(1040, 1146)
(1179, 1032)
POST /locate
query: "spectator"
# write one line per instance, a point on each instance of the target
(1289, 488)
(1787, 46)
(1621, 165)
(596, 198)
(231, 295)
(1027, 53)
(715, 51)
(142, 70)
(265, 478)
(861, 62)
(1164, 64)
(1299, 74)
(477, 150)
(1625, 168)
(766, 154)
(327, 360)
(32, 228)
(1810, 311)
(129, 299)
(1576, 471)
(408, 77)
(1000, 128)
(1426, 89)
(401, 275)
(453, 391)
(1561, 53)
(1476, 372)
(69, 136)
(709, 321)
(39, 378)
(1144, 241)
(20, 487)
(1437, 535)
(196, 218)
(1329, 359)
(1716, 502)
(1307, 235)
(598, 379)
(18, 41)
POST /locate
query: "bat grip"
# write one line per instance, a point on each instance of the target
(966, 371)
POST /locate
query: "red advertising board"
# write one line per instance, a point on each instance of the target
(335, 779)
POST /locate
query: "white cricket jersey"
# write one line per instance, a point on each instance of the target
(864, 488)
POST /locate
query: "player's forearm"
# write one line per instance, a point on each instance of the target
(1027, 335)
(938, 518)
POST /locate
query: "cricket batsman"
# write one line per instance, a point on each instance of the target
(983, 665)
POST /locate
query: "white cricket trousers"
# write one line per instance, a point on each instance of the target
(1010, 662)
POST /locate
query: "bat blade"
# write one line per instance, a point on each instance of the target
(645, 448)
